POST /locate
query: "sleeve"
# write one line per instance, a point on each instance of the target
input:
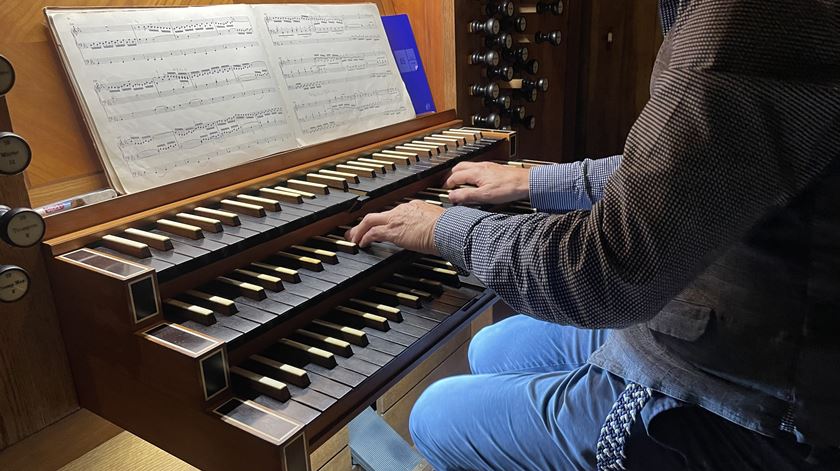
(737, 126)
(570, 186)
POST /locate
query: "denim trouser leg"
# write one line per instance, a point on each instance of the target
(528, 407)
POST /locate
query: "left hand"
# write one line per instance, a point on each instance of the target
(409, 225)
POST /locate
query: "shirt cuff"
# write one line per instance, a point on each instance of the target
(555, 188)
(452, 230)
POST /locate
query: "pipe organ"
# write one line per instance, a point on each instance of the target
(224, 318)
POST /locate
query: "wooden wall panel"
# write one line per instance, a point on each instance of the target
(36, 388)
(617, 57)
(433, 23)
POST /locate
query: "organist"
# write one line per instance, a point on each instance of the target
(683, 312)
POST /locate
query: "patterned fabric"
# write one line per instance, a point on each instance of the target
(668, 13)
(721, 126)
(616, 430)
(566, 187)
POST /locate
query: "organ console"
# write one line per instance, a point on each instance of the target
(241, 315)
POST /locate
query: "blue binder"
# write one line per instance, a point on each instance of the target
(401, 37)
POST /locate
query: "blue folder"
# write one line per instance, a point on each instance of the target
(401, 37)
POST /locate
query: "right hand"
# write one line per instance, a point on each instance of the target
(495, 183)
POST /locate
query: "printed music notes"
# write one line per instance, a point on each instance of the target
(171, 93)
(339, 73)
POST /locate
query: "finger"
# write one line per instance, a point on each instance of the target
(467, 196)
(371, 220)
(464, 177)
(464, 166)
(375, 234)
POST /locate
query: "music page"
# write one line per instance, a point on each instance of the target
(336, 68)
(173, 92)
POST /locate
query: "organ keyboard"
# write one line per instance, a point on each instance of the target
(234, 323)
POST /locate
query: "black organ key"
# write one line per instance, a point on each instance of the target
(349, 334)
(281, 195)
(205, 223)
(325, 256)
(262, 384)
(155, 241)
(122, 245)
(325, 342)
(188, 311)
(313, 354)
(270, 282)
(241, 207)
(384, 310)
(279, 370)
(188, 231)
(355, 318)
(226, 217)
(285, 274)
(211, 301)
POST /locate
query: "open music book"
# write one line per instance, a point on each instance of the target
(172, 93)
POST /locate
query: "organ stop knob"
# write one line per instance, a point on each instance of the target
(517, 24)
(502, 8)
(14, 283)
(489, 58)
(7, 76)
(531, 67)
(502, 102)
(490, 90)
(555, 38)
(492, 120)
(491, 26)
(21, 227)
(15, 154)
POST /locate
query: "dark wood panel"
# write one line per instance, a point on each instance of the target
(36, 388)
(617, 57)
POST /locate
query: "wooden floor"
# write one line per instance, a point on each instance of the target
(126, 451)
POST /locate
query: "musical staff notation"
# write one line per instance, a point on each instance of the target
(177, 92)
(153, 56)
(186, 138)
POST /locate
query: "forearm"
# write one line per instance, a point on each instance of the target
(570, 186)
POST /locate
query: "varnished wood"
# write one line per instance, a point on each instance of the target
(30, 338)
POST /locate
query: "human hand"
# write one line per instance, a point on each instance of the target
(495, 183)
(409, 225)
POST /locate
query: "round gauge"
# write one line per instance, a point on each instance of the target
(21, 227)
(7, 76)
(14, 283)
(15, 154)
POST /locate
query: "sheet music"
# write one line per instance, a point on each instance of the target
(336, 68)
(174, 92)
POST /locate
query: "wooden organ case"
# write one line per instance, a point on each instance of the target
(223, 318)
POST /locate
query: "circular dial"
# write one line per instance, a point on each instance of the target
(21, 227)
(14, 283)
(15, 154)
(7, 76)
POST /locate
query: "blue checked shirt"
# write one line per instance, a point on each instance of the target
(568, 187)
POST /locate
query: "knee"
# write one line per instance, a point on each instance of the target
(487, 346)
(427, 422)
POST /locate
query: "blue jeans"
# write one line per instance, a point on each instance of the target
(527, 405)
(533, 402)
